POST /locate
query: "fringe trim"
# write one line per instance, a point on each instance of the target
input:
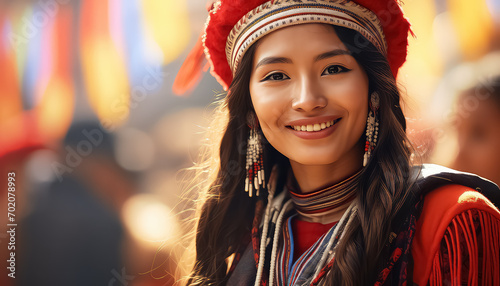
(470, 251)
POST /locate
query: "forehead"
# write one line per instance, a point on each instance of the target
(310, 39)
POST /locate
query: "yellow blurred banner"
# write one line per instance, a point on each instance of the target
(55, 109)
(474, 26)
(103, 68)
(168, 22)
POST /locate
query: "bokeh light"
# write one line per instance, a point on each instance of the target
(149, 220)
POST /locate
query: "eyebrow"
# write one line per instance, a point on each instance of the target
(283, 60)
(331, 54)
(273, 60)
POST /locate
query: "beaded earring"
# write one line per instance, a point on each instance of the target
(254, 163)
(371, 127)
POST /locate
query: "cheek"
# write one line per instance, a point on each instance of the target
(352, 89)
(353, 96)
(268, 106)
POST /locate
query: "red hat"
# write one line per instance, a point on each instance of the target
(234, 25)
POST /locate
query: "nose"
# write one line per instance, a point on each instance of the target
(309, 96)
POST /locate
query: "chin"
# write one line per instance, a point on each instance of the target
(325, 155)
(314, 160)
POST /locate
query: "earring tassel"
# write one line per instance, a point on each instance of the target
(255, 177)
(372, 126)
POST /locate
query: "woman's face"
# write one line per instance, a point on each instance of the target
(310, 95)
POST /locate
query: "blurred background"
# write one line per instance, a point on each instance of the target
(98, 141)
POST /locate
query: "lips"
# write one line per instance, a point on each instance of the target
(315, 127)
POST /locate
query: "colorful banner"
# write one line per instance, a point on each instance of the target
(104, 69)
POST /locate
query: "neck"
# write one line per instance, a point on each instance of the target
(314, 177)
(327, 204)
(333, 215)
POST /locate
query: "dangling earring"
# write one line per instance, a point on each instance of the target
(254, 166)
(371, 127)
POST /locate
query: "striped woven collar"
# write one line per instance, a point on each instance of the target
(325, 200)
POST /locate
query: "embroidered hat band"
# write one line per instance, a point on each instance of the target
(234, 25)
(277, 14)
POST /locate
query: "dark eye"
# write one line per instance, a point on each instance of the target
(335, 69)
(276, 77)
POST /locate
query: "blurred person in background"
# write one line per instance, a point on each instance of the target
(13, 162)
(72, 234)
(477, 123)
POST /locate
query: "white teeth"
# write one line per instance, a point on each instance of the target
(314, 127)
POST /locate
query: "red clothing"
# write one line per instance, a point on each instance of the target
(305, 234)
(452, 243)
(457, 239)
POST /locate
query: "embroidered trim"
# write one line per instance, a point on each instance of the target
(277, 14)
(327, 199)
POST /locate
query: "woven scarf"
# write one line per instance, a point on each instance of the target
(289, 272)
(326, 199)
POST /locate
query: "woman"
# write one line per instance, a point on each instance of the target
(312, 92)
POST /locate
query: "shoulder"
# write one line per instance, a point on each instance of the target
(450, 200)
(445, 206)
(429, 177)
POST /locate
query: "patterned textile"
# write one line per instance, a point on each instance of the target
(302, 270)
(326, 199)
(398, 269)
(272, 15)
(306, 233)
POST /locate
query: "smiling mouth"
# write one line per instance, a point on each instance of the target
(314, 127)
